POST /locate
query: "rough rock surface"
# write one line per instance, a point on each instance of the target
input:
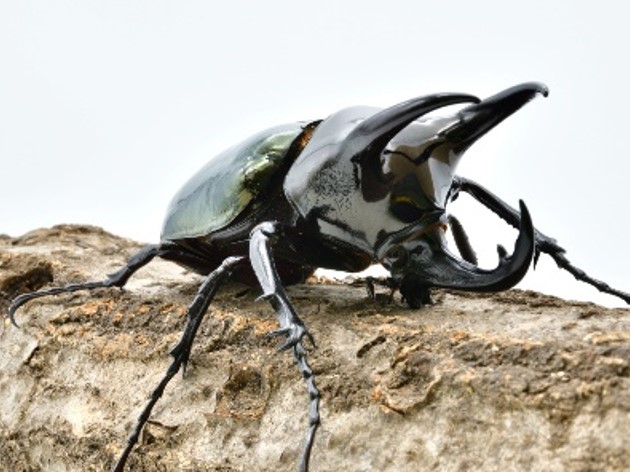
(512, 381)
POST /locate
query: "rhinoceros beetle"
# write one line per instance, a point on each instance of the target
(362, 186)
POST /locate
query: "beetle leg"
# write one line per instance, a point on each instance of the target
(543, 242)
(370, 282)
(264, 267)
(290, 324)
(181, 351)
(461, 240)
(117, 279)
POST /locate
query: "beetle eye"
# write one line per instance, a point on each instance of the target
(407, 202)
(405, 210)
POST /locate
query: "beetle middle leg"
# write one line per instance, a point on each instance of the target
(291, 325)
(181, 352)
(543, 242)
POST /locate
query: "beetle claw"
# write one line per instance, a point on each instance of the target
(264, 297)
(311, 339)
(294, 333)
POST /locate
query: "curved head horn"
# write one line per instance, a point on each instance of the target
(424, 263)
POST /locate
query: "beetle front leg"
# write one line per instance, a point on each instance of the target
(543, 242)
(290, 324)
(262, 262)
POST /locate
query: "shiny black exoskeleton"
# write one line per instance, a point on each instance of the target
(363, 186)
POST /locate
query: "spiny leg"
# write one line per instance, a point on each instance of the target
(543, 242)
(181, 352)
(117, 279)
(290, 324)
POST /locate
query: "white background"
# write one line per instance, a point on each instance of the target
(106, 108)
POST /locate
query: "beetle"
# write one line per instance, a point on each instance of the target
(362, 186)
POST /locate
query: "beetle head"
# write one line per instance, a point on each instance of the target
(380, 181)
(425, 262)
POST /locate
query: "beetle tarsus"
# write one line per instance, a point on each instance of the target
(181, 352)
(582, 276)
(294, 333)
(117, 279)
(299, 355)
(291, 325)
(370, 286)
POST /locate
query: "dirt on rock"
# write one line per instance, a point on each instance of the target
(509, 381)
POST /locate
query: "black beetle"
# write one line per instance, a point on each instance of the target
(363, 186)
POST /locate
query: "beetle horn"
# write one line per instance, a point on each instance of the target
(366, 142)
(425, 263)
(479, 118)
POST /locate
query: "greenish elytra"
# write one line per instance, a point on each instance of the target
(221, 189)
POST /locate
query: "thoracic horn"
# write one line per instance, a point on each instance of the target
(366, 142)
(476, 120)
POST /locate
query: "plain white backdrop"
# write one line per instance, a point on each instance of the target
(106, 108)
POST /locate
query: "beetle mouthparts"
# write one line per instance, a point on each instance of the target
(413, 231)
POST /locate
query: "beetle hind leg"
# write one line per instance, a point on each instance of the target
(181, 352)
(117, 279)
(290, 324)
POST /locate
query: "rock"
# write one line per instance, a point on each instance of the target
(510, 381)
